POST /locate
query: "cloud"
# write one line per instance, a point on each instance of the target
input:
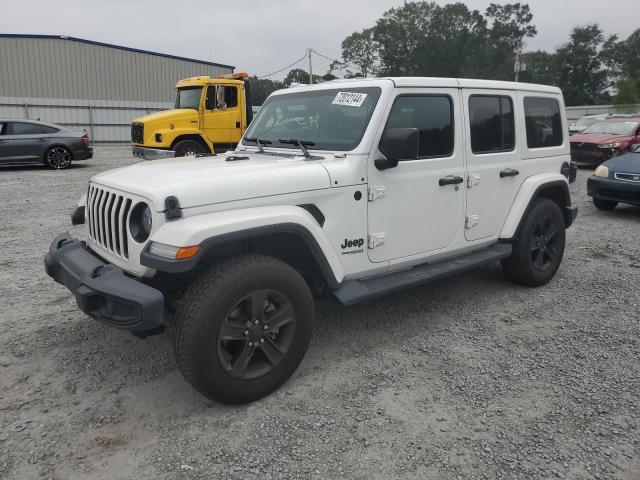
(262, 36)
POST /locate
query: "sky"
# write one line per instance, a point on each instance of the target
(262, 36)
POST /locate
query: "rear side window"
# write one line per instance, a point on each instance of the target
(544, 125)
(492, 123)
(2, 125)
(46, 129)
(19, 128)
(432, 115)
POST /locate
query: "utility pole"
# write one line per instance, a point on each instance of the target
(309, 50)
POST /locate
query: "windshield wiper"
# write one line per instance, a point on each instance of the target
(259, 143)
(303, 144)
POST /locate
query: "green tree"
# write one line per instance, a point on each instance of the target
(542, 68)
(360, 50)
(509, 25)
(298, 75)
(261, 88)
(582, 78)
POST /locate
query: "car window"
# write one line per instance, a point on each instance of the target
(2, 125)
(432, 115)
(20, 128)
(48, 130)
(221, 97)
(543, 122)
(492, 123)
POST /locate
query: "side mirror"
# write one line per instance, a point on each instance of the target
(398, 144)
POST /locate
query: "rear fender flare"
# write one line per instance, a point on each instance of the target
(528, 192)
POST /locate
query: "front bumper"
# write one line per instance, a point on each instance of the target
(103, 291)
(152, 153)
(614, 190)
(592, 158)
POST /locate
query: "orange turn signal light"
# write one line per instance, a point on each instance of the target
(184, 253)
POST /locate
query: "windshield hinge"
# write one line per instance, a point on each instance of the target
(375, 192)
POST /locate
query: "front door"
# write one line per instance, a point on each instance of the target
(411, 211)
(493, 161)
(24, 142)
(222, 117)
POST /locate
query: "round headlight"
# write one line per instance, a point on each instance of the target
(140, 222)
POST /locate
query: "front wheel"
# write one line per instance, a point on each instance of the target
(601, 204)
(188, 147)
(243, 328)
(538, 247)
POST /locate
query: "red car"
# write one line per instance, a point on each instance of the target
(605, 139)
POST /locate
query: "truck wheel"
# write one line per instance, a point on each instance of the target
(188, 147)
(242, 328)
(538, 247)
(604, 204)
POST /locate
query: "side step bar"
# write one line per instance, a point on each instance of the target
(354, 291)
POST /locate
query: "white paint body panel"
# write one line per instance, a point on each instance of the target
(419, 220)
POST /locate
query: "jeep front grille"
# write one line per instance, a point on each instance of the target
(137, 133)
(107, 215)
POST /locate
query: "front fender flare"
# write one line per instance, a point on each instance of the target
(214, 229)
(525, 196)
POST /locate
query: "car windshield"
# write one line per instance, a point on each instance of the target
(586, 121)
(188, 97)
(612, 128)
(333, 119)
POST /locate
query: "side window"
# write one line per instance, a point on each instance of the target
(432, 115)
(544, 125)
(221, 97)
(492, 123)
(2, 125)
(48, 130)
(19, 128)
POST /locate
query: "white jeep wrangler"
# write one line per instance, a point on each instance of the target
(350, 188)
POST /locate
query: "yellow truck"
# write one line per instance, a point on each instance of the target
(210, 116)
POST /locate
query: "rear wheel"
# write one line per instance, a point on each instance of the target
(538, 247)
(188, 147)
(604, 204)
(243, 328)
(58, 158)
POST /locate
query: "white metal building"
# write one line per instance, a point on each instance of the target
(92, 85)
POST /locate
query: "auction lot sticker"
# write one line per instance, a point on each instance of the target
(350, 99)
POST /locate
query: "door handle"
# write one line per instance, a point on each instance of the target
(450, 180)
(42, 139)
(509, 172)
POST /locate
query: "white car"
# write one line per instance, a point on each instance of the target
(353, 189)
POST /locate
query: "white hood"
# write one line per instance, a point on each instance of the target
(208, 180)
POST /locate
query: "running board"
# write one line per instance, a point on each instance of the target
(354, 291)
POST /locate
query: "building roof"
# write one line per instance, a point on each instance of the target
(110, 45)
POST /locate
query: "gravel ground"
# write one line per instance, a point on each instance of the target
(472, 377)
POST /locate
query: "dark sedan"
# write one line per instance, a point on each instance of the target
(616, 181)
(28, 142)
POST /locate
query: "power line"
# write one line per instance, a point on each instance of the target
(285, 68)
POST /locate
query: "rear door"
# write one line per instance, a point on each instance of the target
(493, 160)
(410, 212)
(26, 142)
(222, 116)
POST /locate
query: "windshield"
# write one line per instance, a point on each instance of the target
(188, 97)
(333, 119)
(612, 128)
(586, 121)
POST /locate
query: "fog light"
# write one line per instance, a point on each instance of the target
(158, 137)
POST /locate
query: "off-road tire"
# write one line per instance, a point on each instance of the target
(207, 304)
(523, 266)
(188, 147)
(601, 204)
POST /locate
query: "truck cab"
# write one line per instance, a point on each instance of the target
(210, 115)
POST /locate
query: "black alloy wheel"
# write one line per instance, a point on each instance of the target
(58, 158)
(545, 244)
(256, 334)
